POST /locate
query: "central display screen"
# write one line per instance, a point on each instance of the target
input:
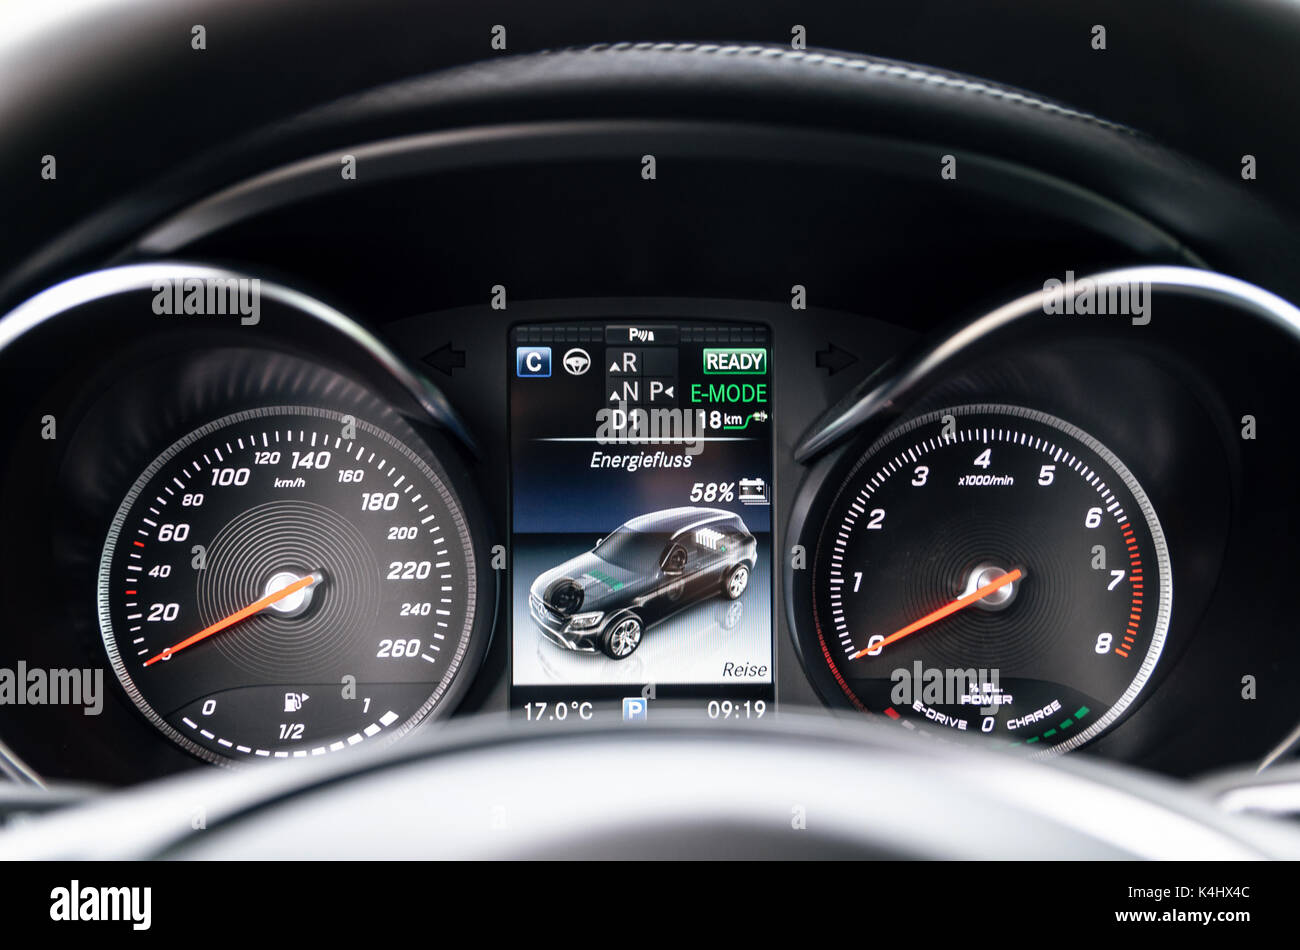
(642, 529)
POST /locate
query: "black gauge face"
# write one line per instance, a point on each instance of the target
(287, 582)
(990, 570)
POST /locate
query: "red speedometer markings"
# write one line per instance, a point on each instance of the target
(138, 544)
(1135, 579)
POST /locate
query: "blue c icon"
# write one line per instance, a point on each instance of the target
(533, 361)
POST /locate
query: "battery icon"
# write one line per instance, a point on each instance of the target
(752, 491)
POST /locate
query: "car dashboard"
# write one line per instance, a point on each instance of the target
(583, 417)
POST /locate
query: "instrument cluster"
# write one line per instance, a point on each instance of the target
(275, 492)
(284, 538)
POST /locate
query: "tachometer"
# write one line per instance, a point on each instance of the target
(990, 569)
(286, 582)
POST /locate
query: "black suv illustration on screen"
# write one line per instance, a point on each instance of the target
(642, 573)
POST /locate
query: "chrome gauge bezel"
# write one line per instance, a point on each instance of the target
(811, 524)
(428, 467)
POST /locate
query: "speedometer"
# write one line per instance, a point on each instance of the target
(990, 570)
(287, 582)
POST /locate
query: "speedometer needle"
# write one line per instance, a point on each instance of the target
(946, 610)
(257, 606)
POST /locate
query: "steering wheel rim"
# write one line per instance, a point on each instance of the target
(796, 787)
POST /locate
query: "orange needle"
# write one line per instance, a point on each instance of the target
(272, 598)
(944, 611)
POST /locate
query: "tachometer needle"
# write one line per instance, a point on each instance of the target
(946, 610)
(256, 607)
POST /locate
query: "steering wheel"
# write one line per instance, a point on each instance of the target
(798, 787)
